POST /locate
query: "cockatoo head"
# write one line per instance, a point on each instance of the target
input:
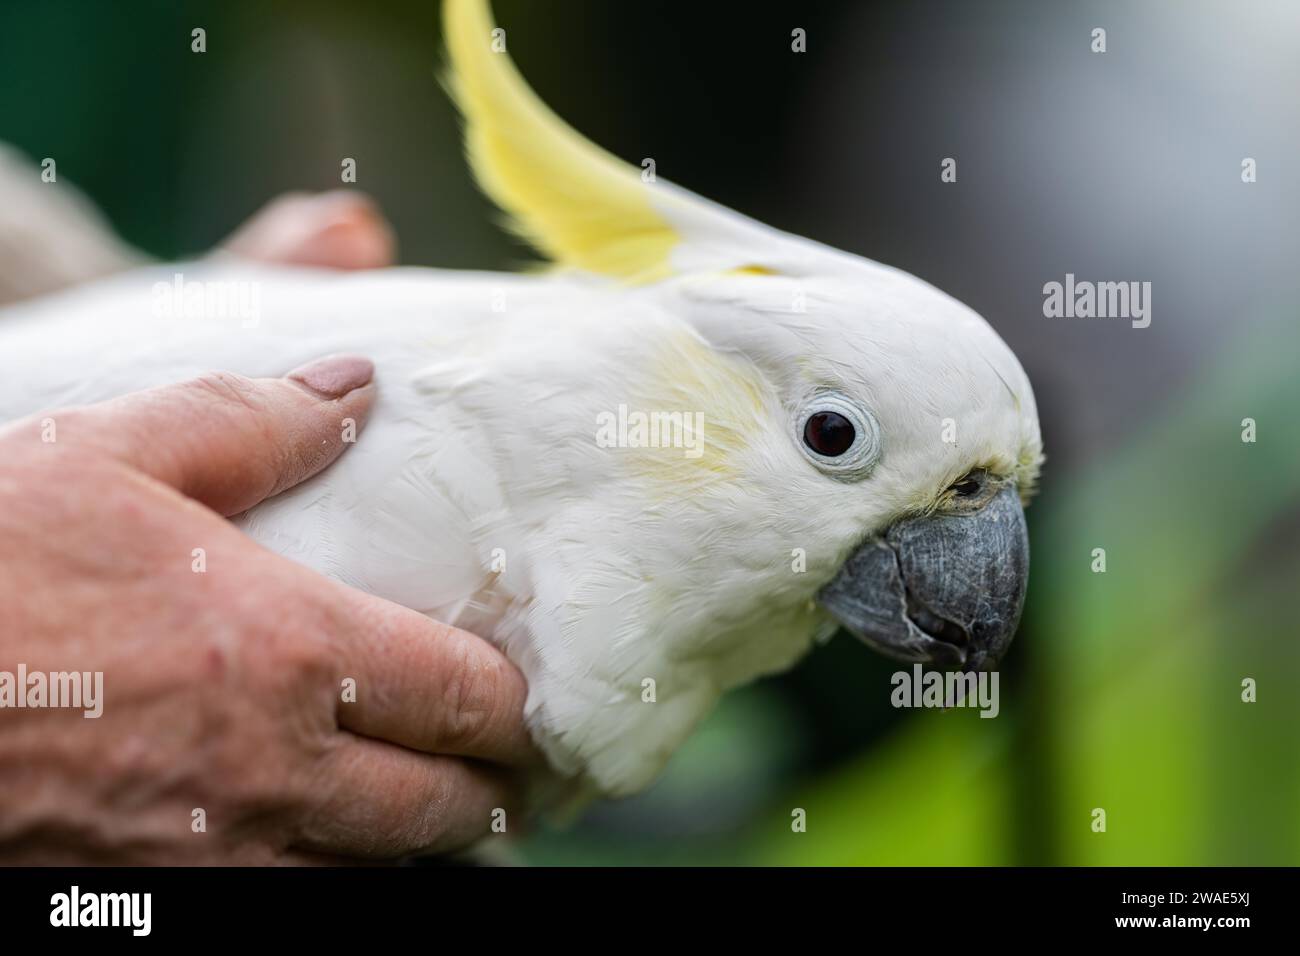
(902, 442)
(868, 441)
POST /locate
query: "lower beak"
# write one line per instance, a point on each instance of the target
(945, 589)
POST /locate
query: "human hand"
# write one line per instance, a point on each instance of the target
(223, 678)
(54, 237)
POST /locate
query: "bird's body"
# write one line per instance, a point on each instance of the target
(843, 432)
(479, 493)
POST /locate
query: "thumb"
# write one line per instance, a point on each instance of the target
(229, 441)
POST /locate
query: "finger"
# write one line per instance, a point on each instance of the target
(378, 800)
(229, 441)
(342, 229)
(432, 687)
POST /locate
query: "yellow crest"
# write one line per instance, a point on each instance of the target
(567, 197)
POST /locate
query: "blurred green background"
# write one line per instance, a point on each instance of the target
(1123, 690)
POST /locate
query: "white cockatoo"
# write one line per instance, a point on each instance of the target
(680, 456)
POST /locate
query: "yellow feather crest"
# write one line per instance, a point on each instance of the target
(571, 200)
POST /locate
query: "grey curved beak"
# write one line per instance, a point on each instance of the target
(945, 589)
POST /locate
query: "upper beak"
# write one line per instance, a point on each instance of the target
(943, 588)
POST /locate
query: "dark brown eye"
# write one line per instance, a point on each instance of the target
(968, 487)
(829, 434)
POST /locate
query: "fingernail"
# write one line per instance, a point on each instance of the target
(335, 375)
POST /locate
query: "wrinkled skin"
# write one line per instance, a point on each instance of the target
(222, 688)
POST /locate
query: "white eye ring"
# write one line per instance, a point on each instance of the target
(860, 457)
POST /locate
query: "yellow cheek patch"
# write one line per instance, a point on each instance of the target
(690, 415)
